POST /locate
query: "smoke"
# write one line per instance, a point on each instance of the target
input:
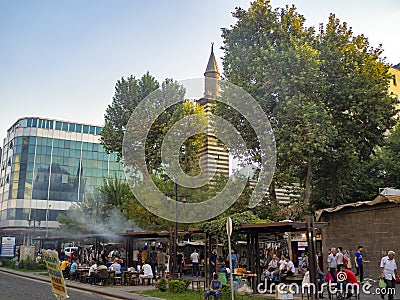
(83, 219)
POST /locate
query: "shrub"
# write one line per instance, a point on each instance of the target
(5, 262)
(226, 291)
(176, 286)
(186, 281)
(162, 284)
(29, 264)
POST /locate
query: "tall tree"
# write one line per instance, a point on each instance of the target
(325, 94)
(128, 93)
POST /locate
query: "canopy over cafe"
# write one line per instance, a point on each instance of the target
(268, 238)
(261, 241)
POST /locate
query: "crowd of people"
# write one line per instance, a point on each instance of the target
(102, 262)
(154, 261)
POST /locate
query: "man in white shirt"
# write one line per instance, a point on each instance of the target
(194, 257)
(147, 272)
(273, 267)
(388, 272)
(282, 263)
(339, 257)
(92, 271)
(290, 268)
(116, 267)
(332, 263)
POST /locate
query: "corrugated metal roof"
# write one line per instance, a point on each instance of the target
(387, 195)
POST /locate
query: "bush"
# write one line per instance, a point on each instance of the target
(176, 286)
(5, 262)
(226, 291)
(29, 264)
(162, 284)
(186, 281)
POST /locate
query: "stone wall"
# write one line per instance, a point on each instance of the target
(376, 228)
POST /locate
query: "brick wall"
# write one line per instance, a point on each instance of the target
(376, 228)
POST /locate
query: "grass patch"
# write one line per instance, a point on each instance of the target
(187, 295)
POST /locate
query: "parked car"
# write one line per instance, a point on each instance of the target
(69, 250)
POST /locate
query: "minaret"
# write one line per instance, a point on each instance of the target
(211, 147)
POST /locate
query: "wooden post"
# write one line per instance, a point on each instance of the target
(257, 255)
(206, 259)
(312, 259)
(171, 252)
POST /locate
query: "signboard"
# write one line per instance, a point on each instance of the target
(302, 245)
(26, 251)
(7, 246)
(55, 273)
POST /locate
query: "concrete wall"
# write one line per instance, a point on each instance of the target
(376, 228)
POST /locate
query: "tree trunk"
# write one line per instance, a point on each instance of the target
(271, 192)
(307, 187)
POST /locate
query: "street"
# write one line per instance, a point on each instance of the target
(19, 288)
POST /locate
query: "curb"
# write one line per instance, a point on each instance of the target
(113, 294)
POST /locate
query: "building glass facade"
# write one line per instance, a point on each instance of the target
(46, 165)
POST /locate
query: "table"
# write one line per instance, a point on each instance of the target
(81, 274)
(250, 277)
(200, 283)
(130, 277)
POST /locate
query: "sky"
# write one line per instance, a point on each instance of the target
(61, 59)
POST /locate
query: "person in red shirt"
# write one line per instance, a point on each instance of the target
(347, 282)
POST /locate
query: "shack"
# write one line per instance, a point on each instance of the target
(372, 224)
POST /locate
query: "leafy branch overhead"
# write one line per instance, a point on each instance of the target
(325, 92)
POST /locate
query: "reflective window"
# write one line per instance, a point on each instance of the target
(92, 129)
(58, 125)
(23, 123)
(55, 169)
(65, 126)
(98, 130)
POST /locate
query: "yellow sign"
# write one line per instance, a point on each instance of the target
(55, 273)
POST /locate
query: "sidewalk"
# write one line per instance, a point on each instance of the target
(116, 291)
(127, 292)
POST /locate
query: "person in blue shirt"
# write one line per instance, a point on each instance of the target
(358, 259)
(232, 257)
(72, 271)
(215, 288)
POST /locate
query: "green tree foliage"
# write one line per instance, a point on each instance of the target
(383, 170)
(325, 94)
(217, 228)
(128, 93)
(388, 160)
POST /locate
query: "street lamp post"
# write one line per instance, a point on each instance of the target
(47, 220)
(34, 220)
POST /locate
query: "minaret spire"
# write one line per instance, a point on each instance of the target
(212, 148)
(211, 76)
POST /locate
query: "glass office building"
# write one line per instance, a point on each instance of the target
(47, 165)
